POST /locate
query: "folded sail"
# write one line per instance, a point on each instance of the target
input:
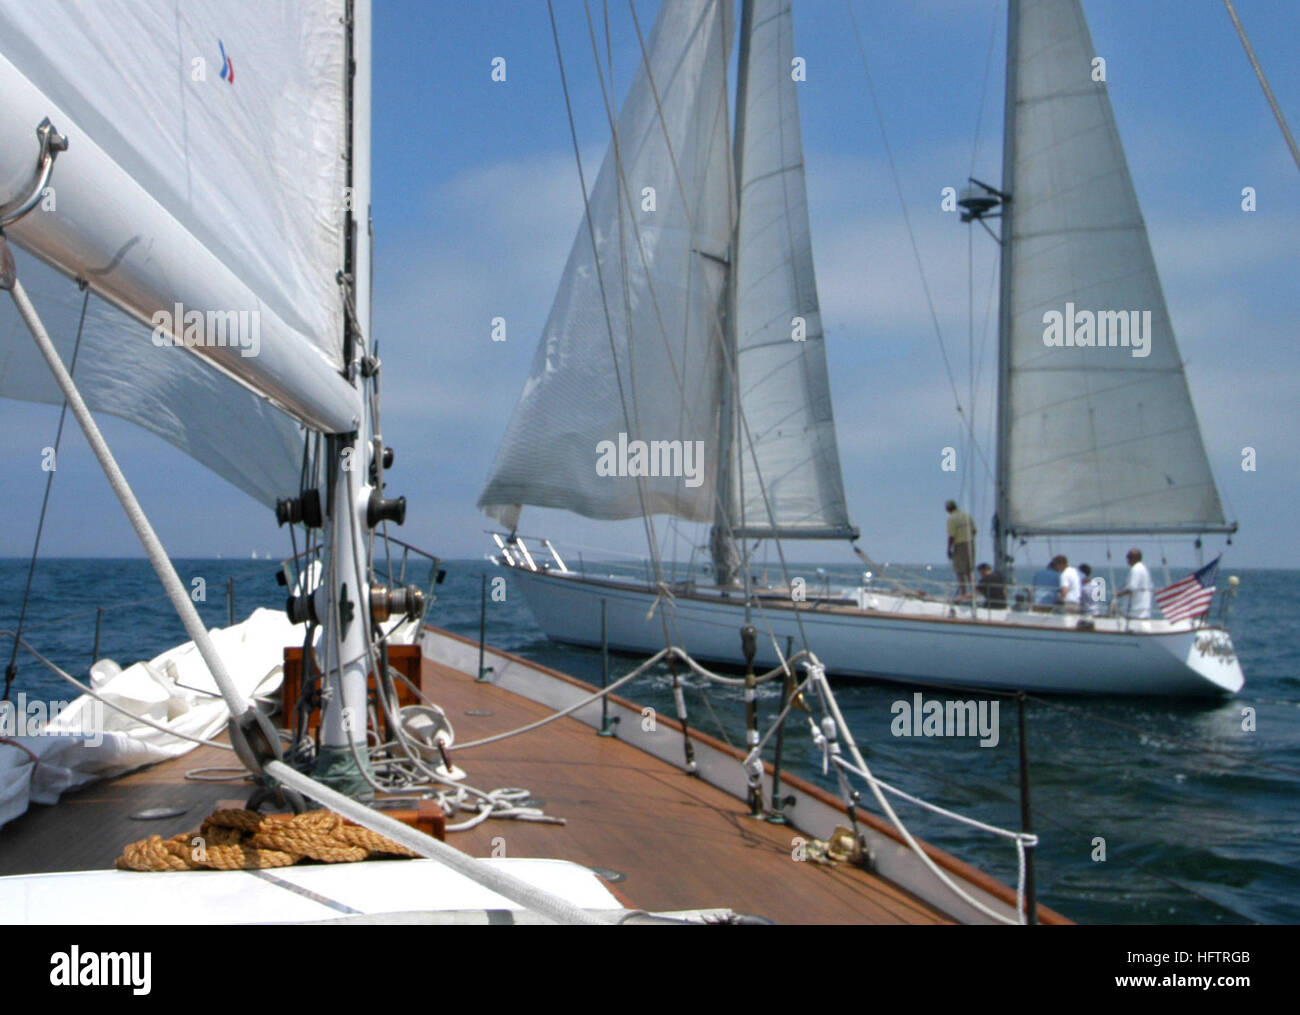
(618, 417)
(788, 437)
(1100, 434)
(205, 168)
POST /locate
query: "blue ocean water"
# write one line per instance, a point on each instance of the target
(1196, 812)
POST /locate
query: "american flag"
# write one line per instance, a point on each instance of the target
(1191, 596)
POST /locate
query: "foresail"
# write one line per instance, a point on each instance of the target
(230, 430)
(204, 176)
(1100, 433)
(618, 417)
(785, 447)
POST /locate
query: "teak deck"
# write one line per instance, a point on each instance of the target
(678, 842)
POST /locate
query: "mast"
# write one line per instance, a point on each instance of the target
(346, 586)
(721, 544)
(1001, 534)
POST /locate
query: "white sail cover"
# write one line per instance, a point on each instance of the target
(631, 350)
(205, 168)
(788, 436)
(1098, 438)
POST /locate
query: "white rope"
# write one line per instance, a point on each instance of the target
(1027, 837)
(148, 538)
(1263, 82)
(503, 883)
(117, 708)
(1022, 840)
(772, 674)
(570, 709)
(817, 676)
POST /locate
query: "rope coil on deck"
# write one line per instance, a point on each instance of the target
(247, 840)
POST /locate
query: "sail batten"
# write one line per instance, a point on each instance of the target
(1099, 433)
(786, 471)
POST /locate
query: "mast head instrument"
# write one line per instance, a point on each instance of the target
(979, 200)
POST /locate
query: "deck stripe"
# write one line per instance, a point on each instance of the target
(306, 893)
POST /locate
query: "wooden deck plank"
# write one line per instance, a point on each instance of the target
(679, 842)
(87, 829)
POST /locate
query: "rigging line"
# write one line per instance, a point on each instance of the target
(984, 90)
(984, 341)
(371, 396)
(728, 365)
(649, 279)
(640, 242)
(11, 671)
(907, 219)
(970, 358)
(60, 672)
(1263, 81)
(624, 274)
(595, 249)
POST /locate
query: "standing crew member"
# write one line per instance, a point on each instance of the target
(1070, 596)
(1137, 588)
(961, 546)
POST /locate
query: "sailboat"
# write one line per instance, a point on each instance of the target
(682, 372)
(188, 190)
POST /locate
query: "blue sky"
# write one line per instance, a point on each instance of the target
(476, 203)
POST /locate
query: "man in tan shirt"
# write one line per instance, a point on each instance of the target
(961, 546)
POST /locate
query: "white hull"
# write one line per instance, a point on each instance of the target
(905, 640)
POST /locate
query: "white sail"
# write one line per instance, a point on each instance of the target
(788, 440)
(1097, 438)
(631, 350)
(232, 431)
(205, 168)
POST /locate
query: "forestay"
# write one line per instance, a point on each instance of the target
(787, 439)
(632, 344)
(1100, 437)
(206, 167)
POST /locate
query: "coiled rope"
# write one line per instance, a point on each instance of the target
(247, 840)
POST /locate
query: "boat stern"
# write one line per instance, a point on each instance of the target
(1210, 654)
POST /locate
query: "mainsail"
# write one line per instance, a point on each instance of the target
(631, 350)
(205, 169)
(1095, 437)
(785, 444)
(233, 432)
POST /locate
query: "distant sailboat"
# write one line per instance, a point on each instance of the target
(696, 328)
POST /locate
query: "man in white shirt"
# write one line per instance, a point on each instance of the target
(1137, 588)
(1070, 594)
